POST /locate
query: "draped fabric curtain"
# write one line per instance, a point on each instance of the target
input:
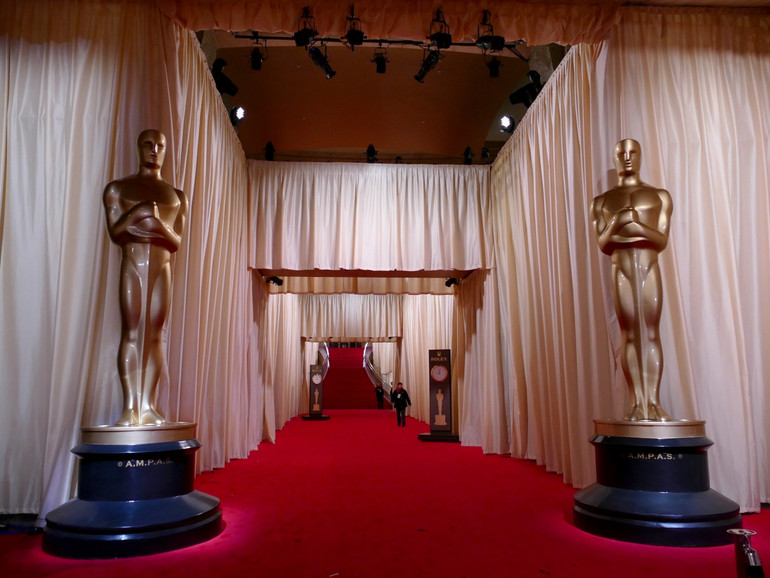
(691, 87)
(367, 216)
(355, 317)
(535, 23)
(83, 79)
(427, 325)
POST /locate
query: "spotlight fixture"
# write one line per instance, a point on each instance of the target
(451, 281)
(256, 58)
(237, 114)
(428, 63)
(439, 31)
(527, 94)
(486, 39)
(275, 280)
(507, 124)
(485, 154)
(223, 83)
(399, 160)
(371, 154)
(494, 67)
(319, 59)
(468, 156)
(306, 30)
(269, 151)
(354, 36)
(534, 78)
(380, 59)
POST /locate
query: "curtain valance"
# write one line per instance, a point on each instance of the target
(306, 216)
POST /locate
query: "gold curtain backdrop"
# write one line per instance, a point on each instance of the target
(532, 328)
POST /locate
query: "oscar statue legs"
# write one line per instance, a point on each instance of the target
(638, 303)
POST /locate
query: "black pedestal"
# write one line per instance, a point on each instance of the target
(438, 437)
(654, 490)
(133, 499)
(316, 417)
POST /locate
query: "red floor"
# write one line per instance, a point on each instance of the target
(357, 496)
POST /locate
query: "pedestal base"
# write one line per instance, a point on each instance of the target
(438, 437)
(654, 490)
(133, 499)
(316, 417)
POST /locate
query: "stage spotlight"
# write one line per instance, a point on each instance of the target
(371, 154)
(399, 160)
(486, 39)
(527, 94)
(494, 67)
(485, 155)
(534, 77)
(224, 85)
(468, 156)
(380, 59)
(256, 58)
(451, 281)
(507, 124)
(319, 59)
(269, 151)
(439, 31)
(275, 280)
(354, 36)
(306, 31)
(237, 114)
(429, 63)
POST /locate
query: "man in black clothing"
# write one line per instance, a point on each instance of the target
(380, 395)
(400, 399)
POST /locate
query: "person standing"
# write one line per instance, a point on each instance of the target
(400, 399)
(380, 391)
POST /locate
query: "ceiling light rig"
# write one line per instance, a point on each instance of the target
(439, 39)
(354, 36)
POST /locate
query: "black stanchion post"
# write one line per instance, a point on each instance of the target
(746, 558)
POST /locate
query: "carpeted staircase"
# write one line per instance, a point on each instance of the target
(346, 385)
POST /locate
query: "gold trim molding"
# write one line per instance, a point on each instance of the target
(142, 434)
(650, 429)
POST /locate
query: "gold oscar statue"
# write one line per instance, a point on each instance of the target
(145, 218)
(632, 224)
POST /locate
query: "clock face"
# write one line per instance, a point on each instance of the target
(317, 379)
(439, 373)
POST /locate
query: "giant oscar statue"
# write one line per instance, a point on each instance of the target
(145, 218)
(135, 479)
(652, 471)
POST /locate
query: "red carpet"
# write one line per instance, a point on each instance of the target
(346, 385)
(357, 496)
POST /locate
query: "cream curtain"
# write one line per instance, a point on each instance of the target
(427, 325)
(367, 216)
(691, 86)
(83, 79)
